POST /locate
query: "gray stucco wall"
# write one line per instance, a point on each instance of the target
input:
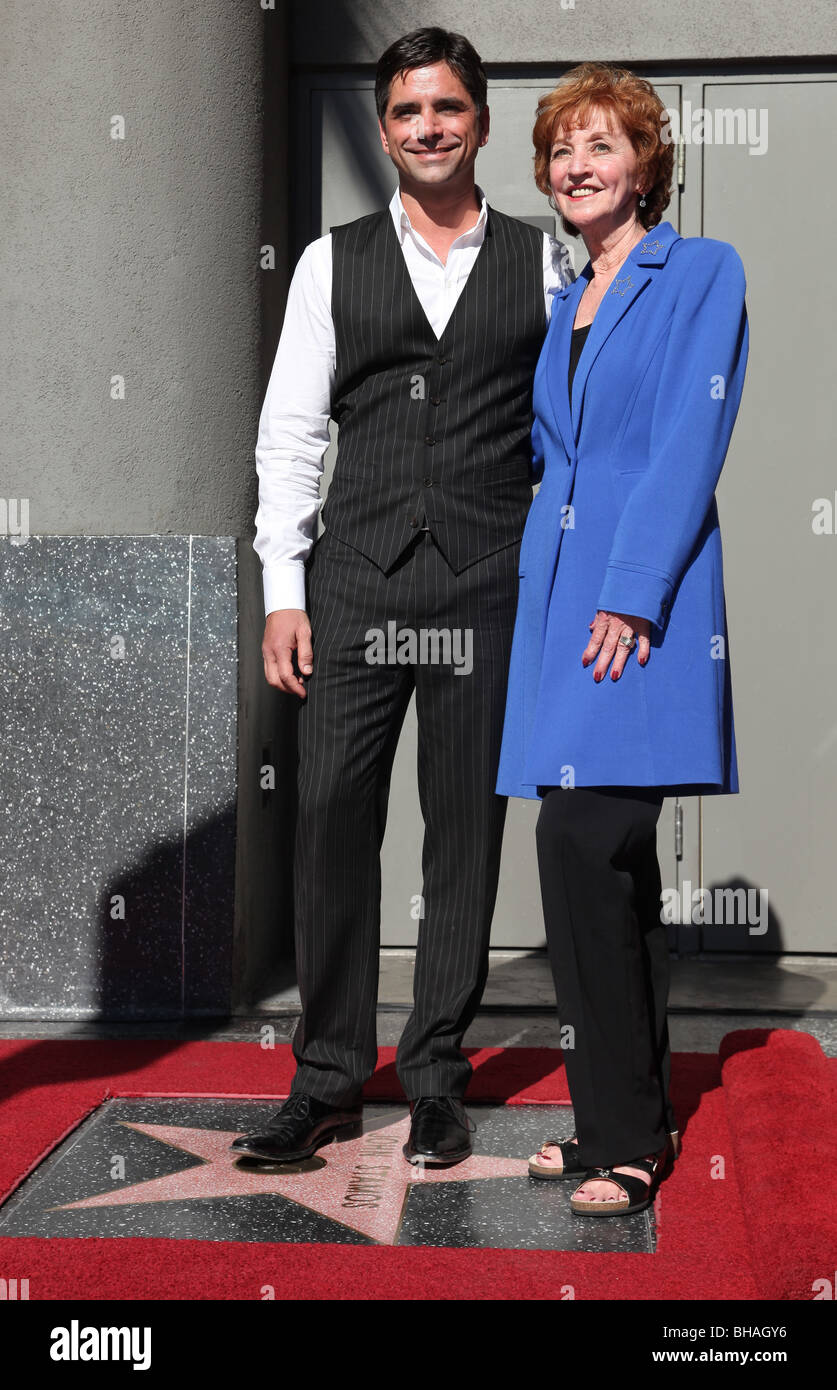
(134, 257)
(139, 258)
(531, 31)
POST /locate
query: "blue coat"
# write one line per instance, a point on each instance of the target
(626, 520)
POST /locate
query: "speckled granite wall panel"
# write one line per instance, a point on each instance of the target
(211, 800)
(117, 775)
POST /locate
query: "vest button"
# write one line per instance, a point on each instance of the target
(428, 482)
(435, 400)
(429, 439)
(442, 360)
(414, 522)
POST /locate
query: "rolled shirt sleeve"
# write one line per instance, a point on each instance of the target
(293, 431)
(557, 269)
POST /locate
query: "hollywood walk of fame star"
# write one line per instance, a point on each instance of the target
(363, 1184)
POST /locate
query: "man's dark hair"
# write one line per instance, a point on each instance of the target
(421, 49)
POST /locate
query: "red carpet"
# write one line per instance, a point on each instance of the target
(781, 1103)
(768, 1112)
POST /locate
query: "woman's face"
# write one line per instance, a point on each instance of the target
(593, 173)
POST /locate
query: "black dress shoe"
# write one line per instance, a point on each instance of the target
(297, 1130)
(440, 1131)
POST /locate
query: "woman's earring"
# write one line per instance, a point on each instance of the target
(642, 201)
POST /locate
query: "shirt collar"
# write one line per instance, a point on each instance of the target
(403, 224)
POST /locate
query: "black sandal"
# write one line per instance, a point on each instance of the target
(639, 1194)
(569, 1158)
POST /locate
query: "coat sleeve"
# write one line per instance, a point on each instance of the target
(537, 464)
(697, 400)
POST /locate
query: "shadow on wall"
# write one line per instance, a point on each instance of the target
(165, 928)
(167, 947)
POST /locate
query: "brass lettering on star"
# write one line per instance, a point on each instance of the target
(367, 1180)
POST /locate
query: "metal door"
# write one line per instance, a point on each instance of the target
(774, 841)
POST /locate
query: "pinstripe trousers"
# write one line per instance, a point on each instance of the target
(349, 726)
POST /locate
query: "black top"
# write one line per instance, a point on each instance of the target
(577, 343)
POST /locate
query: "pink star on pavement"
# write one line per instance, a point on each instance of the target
(363, 1185)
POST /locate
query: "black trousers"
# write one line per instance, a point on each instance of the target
(600, 885)
(348, 731)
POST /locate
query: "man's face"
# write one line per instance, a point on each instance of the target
(431, 130)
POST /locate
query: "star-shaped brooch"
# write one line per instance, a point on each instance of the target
(621, 285)
(650, 248)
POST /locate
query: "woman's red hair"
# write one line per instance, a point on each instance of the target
(618, 94)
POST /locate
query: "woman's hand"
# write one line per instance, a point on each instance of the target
(606, 629)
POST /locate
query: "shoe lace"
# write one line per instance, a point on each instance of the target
(296, 1107)
(453, 1107)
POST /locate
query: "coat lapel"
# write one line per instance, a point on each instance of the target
(564, 306)
(647, 257)
(628, 284)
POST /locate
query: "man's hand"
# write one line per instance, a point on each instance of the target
(606, 629)
(287, 630)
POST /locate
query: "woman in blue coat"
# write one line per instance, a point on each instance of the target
(619, 687)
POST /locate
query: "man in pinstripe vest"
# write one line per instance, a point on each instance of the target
(417, 329)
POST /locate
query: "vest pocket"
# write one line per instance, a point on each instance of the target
(505, 470)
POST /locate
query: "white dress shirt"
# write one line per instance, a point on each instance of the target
(293, 426)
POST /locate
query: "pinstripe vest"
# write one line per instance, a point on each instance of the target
(431, 430)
